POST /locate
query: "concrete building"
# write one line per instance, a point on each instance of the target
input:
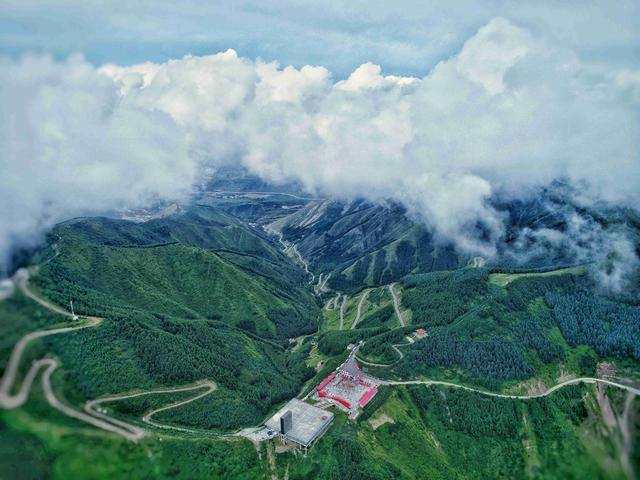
(300, 423)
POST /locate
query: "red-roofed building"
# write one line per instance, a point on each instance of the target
(366, 398)
(325, 382)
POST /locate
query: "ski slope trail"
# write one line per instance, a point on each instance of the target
(396, 304)
(342, 307)
(363, 297)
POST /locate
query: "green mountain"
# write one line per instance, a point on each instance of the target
(208, 294)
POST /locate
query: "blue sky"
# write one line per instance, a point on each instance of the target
(405, 37)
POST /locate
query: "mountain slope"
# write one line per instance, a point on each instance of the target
(199, 265)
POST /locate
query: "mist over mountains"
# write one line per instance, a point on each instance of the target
(488, 128)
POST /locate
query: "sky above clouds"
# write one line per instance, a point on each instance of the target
(405, 37)
(440, 108)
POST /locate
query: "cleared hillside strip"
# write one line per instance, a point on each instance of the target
(396, 304)
(363, 298)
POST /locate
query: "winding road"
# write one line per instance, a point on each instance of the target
(91, 406)
(333, 302)
(94, 417)
(573, 381)
(48, 365)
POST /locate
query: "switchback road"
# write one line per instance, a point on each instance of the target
(48, 366)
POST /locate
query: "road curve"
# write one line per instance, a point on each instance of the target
(21, 279)
(387, 365)
(396, 304)
(573, 381)
(333, 302)
(91, 405)
(130, 432)
(48, 366)
(6, 385)
(211, 387)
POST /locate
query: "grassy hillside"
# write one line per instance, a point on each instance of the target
(186, 298)
(521, 335)
(204, 296)
(362, 244)
(538, 326)
(202, 265)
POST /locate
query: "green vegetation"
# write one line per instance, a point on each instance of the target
(188, 298)
(209, 269)
(413, 252)
(612, 329)
(503, 279)
(141, 351)
(204, 296)
(52, 448)
(493, 336)
(18, 316)
(442, 433)
(441, 297)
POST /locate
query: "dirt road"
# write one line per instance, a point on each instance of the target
(573, 381)
(91, 406)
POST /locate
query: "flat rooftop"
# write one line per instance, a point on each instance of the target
(309, 422)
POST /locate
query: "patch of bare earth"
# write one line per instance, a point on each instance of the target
(608, 417)
(564, 376)
(536, 387)
(532, 387)
(282, 448)
(606, 369)
(626, 422)
(619, 426)
(380, 420)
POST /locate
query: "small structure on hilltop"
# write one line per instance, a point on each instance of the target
(420, 333)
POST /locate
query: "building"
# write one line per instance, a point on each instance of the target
(421, 333)
(300, 423)
(348, 388)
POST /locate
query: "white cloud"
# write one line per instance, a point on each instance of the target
(72, 145)
(368, 76)
(509, 113)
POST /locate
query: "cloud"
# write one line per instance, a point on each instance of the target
(71, 144)
(507, 114)
(609, 248)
